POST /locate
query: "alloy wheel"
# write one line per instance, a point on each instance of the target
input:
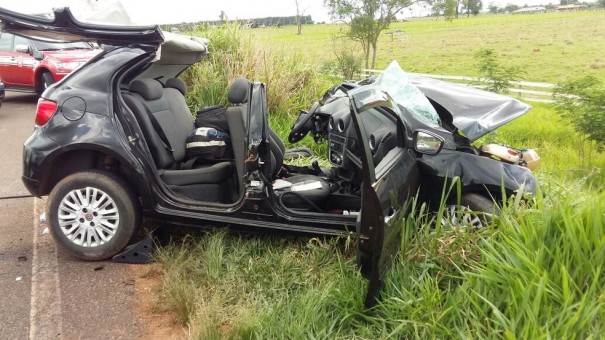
(88, 217)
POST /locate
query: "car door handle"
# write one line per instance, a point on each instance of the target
(389, 215)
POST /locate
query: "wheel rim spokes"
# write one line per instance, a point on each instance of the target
(88, 217)
(461, 216)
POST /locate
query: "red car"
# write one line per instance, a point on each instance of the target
(31, 65)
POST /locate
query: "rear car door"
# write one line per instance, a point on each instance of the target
(386, 191)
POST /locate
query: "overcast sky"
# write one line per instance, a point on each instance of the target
(175, 11)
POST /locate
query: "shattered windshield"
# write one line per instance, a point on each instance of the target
(396, 82)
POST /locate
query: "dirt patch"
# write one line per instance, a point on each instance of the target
(155, 325)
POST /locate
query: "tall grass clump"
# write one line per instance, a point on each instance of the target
(292, 81)
(227, 285)
(539, 274)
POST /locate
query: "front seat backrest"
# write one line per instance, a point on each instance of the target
(236, 117)
(238, 91)
(178, 84)
(149, 98)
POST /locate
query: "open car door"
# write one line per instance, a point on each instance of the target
(64, 27)
(386, 189)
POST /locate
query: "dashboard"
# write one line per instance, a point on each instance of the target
(381, 133)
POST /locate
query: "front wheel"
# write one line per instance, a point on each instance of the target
(474, 210)
(93, 214)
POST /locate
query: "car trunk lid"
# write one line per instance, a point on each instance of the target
(66, 28)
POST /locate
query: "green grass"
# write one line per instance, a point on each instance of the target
(538, 273)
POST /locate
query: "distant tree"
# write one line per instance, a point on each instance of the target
(445, 7)
(300, 16)
(367, 19)
(450, 9)
(568, 2)
(222, 17)
(511, 8)
(472, 7)
(476, 6)
(494, 9)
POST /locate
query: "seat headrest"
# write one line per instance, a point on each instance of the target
(149, 89)
(178, 84)
(238, 91)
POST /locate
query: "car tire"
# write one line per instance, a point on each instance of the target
(46, 79)
(474, 210)
(93, 214)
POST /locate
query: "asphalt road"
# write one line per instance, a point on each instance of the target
(44, 293)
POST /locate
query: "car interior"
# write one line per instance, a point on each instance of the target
(166, 122)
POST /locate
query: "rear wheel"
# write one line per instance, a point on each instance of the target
(45, 80)
(93, 214)
(474, 210)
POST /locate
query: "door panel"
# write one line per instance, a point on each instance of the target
(386, 190)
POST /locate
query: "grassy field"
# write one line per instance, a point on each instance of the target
(549, 47)
(538, 273)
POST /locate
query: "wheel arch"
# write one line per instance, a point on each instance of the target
(65, 162)
(38, 73)
(496, 193)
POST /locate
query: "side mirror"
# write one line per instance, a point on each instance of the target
(427, 143)
(22, 49)
(38, 55)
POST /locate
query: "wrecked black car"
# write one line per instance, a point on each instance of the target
(442, 119)
(110, 144)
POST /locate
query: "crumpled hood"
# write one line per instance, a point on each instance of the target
(475, 112)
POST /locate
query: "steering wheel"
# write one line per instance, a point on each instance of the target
(302, 125)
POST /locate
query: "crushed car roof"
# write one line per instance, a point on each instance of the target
(475, 112)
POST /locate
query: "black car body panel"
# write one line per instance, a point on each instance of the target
(475, 173)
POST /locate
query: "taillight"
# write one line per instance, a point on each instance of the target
(45, 111)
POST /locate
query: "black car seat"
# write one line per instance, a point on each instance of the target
(236, 114)
(301, 192)
(166, 122)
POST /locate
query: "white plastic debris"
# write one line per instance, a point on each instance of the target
(43, 218)
(18, 278)
(45, 231)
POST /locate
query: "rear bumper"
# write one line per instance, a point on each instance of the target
(36, 151)
(32, 185)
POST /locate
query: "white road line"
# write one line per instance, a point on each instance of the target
(45, 320)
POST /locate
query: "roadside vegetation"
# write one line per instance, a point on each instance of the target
(538, 273)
